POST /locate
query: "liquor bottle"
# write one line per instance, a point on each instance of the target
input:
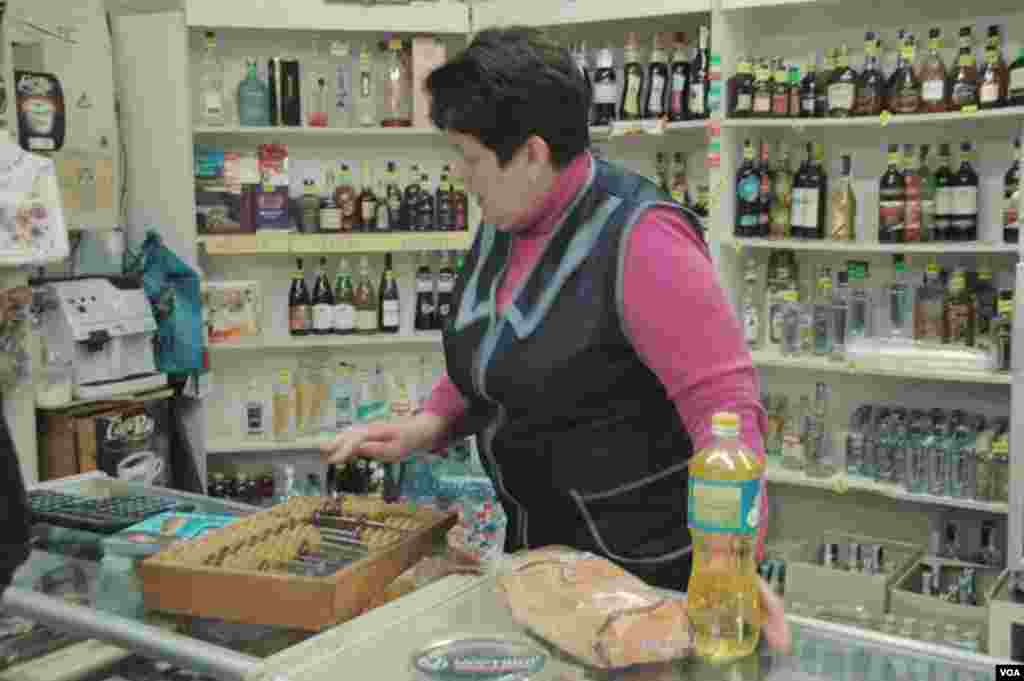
(211, 85)
(964, 223)
(425, 294)
(780, 90)
(794, 91)
(679, 96)
(807, 200)
(871, 87)
(367, 202)
(606, 91)
(310, 204)
(820, 179)
(823, 313)
(994, 79)
(323, 301)
(366, 101)
(1015, 92)
(843, 204)
(679, 187)
(929, 312)
(860, 315)
(631, 104)
(741, 89)
(817, 446)
(779, 281)
(824, 79)
(656, 102)
(781, 197)
(763, 90)
(253, 98)
(901, 312)
(764, 192)
(891, 200)
(460, 205)
(959, 312)
(751, 308)
(985, 300)
(928, 188)
(389, 313)
(316, 72)
(382, 220)
(318, 103)
(840, 315)
(425, 216)
(342, 72)
(793, 436)
(748, 194)
(1011, 196)
(912, 187)
(411, 199)
(443, 202)
(944, 195)
(661, 171)
(1002, 331)
(445, 291)
(396, 88)
(808, 98)
(580, 54)
(904, 87)
(392, 194)
(964, 86)
(299, 312)
(934, 78)
(842, 89)
(365, 300)
(344, 322)
(699, 73)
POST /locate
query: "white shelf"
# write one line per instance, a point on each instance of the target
(768, 358)
(291, 132)
(842, 483)
(569, 12)
(438, 16)
(874, 121)
(429, 338)
(284, 243)
(830, 246)
(732, 5)
(243, 446)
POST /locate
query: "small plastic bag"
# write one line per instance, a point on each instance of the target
(594, 610)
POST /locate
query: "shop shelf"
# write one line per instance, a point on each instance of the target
(829, 246)
(279, 243)
(842, 483)
(288, 132)
(549, 13)
(428, 338)
(768, 358)
(240, 445)
(876, 121)
(730, 5)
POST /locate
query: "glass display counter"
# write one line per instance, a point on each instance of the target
(382, 643)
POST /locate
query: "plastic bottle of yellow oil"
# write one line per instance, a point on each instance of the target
(724, 513)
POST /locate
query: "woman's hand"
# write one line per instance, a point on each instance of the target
(774, 627)
(386, 442)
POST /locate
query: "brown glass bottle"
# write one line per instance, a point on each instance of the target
(904, 87)
(871, 88)
(780, 89)
(934, 78)
(964, 88)
(994, 78)
(741, 89)
(763, 90)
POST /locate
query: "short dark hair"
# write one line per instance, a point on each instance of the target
(509, 84)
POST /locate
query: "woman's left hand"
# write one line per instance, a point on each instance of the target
(774, 627)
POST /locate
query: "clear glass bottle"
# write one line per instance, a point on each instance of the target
(366, 99)
(916, 477)
(780, 213)
(823, 335)
(317, 76)
(935, 448)
(211, 85)
(751, 306)
(883, 448)
(859, 318)
(791, 321)
(929, 322)
(343, 74)
(253, 97)
(396, 87)
(856, 441)
(840, 315)
(901, 317)
(820, 463)
(793, 436)
(365, 300)
(1002, 332)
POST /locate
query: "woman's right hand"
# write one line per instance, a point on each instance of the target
(386, 442)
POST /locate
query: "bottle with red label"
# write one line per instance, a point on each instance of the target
(765, 193)
(891, 200)
(913, 210)
(780, 89)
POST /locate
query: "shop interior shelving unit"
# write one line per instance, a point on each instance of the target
(169, 43)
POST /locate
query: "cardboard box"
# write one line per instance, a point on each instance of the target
(811, 583)
(908, 601)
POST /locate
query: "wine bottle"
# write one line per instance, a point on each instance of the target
(748, 198)
(425, 296)
(367, 203)
(892, 200)
(445, 212)
(964, 225)
(323, 301)
(389, 313)
(656, 102)
(699, 73)
(606, 92)
(679, 98)
(445, 290)
(299, 313)
(393, 196)
(426, 219)
(365, 300)
(943, 196)
(633, 81)
(344, 322)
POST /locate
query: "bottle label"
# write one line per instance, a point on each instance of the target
(780, 103)
(775, 321)
(390, 315)
(751, 324)
(630, 103)
(762, 102)
(807, 103)
(213, 103)
(254, 423)
(445, 283)
(891, 215)
(965, 93)
(943, 207)
(323, 317)
(1017, 81)
(368, 211)
(366, 320)
(724, 507)
(344, 317)
(744, 102)
(989, 93)
(912, 219)
(965, 204)
(933, 91)
(805, 208)
(654, 100)
(678, 85)
(298, 318)
(604, 93)
(697, 98)
(1011, 209)
(841, 96)
(424, 285)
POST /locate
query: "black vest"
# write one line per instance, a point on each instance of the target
(583, 444)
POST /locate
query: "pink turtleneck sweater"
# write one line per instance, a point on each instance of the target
(678, 316)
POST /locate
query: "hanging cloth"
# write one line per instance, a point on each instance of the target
(32, 226)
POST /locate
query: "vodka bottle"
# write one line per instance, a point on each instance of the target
(819, 441)
(840, 314)
(793, 436)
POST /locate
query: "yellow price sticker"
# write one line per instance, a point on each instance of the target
(215, 244)
(884, 118)
(973, 108)
(285, 376)
(840, 485)
(737, 246)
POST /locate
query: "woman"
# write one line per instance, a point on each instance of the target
(590, 341)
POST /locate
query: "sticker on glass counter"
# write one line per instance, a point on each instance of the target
(721, 506)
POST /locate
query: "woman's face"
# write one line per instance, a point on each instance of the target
(505, 195)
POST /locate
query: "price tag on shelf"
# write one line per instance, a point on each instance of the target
(625, 128)
(737, 246)
(273, 242)
(884, 118)
(973, 108)
(713, 128)
(840, 485)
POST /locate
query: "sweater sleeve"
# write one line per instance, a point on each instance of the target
(682, 325)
